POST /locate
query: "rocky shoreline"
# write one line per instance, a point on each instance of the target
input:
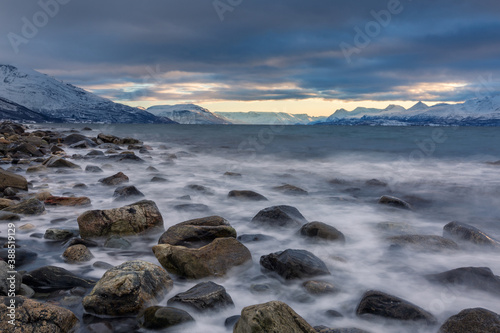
(125, 299)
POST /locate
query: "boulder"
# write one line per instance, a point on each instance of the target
(379, 304)
(6, 216)
(9, 179)
(31, 206)
(198, 208)
(93, 169)
(58, 234)
(246, 196)
(127, 192)
(106, 138)
(320, 230)
(202, 297)
(59, 162)
(476, 320)
(200, 189)
(115, 179)
(34, 317)
(77, 138)
(214, 259)
(316, 287)
(67, 201)
(136, 218)
(117, 242)
(290, 190)
(127, 289)
(51, 278)
(461, 232)
(394, 202)
(77, 253)
(294, 264)
(271, 317)
(423, 243)
(4, 203)
(159, 317)
(324, 329)
(198, 232)
(479, 278)
(36, 168)
(250, 238)
(279, 216)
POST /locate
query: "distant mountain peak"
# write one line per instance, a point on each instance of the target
(419, 106)
(187, 114)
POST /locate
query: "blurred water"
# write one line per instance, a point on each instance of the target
(443, 171)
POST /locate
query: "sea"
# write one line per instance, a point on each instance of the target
(446, 173)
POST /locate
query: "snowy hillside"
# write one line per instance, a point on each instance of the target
(187, 114)
(12, 111)
(268, 118)
(51, 97)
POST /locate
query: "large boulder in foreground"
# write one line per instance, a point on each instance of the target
(198, 232)
(271, 317)
(465, 233)
(35, 317)
(280, 216)
(133, 219)
(379, 304)
(479, 278)
(294, 264)
(9, 179)
(476, 320)
(127, 289)
(214, 259)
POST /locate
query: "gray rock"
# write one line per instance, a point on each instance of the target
(115, 179)
(424, 243)
(51, 278)
(324, 329)
(199, 208)
(394, 202)
(116, 242)
(59, 162)
(159, 317)
(279, 216)
(290, 190)
(379, 304)
(9, 179)
(200, 189)
(249, 238)
(202, 297)
(461, 232)
(76, 138)
(7, 216)
(31, 206)
(58, 234)
(246, 196)
(320, 230)
(294, 264)
(93, 169)
(476, 320)
(479, 278)
(316, 287)
(127, 192)
(127, 289)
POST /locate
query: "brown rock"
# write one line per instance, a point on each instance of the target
(116, 179)
(476, 320)
(9, 179)
(67, 201)
(77, 253)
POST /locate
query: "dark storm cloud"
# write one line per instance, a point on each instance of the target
(261, 46)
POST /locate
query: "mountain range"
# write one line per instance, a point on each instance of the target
(29, 96)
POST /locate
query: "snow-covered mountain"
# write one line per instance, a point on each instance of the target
(476, 112)
(268, 118)
(187, 114)
(13, 111)
(58, 100)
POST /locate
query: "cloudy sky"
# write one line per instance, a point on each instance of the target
(309, 56)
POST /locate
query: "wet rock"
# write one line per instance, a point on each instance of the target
(476, 320)
(82, 145)
(77, 253)
(279, 216)
(324, 329)
(109, 138)
(290, 190)
(102, 265)
(395, 228)
(4, 203)
(129, 157)
(465, 233)
(333, 314)
(246, 196)
(479, 278)
(159, 317)
(198, 232)
(136, 218)
(127, 192)
(231, 321)
(93, 169)
(157, 179)
(95, 153)
(214, 259)
(375, 183)
(59, 162)
(316, 287)
(152, 169)
(249, 238)
(202, 297)
(58, 234)
(116, 179)
(23, 256)
(9, 179)
(26, 227)
(271, 317)
(294, 264)
(36, 168)
(232, 174)
(86, 242)
(80, 186)
(424, 243)
(379, 304)
(35, 317)
(200, 189)
(127, 289)
(77, 138)
(394, 202)
(31, 206)
(56, 149)
(116, 242)
(67, 201)
(10, 192)
(8, 280)
(320, 230)
(6, 216)
(51, 278)
(199, 208)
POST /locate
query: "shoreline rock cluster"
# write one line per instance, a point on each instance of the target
(195, 250)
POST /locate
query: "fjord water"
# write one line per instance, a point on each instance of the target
(442, 171)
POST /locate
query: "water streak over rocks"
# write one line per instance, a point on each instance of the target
(127, 289)
(136, 218)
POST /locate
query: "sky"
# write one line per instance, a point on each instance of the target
(309, 56)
